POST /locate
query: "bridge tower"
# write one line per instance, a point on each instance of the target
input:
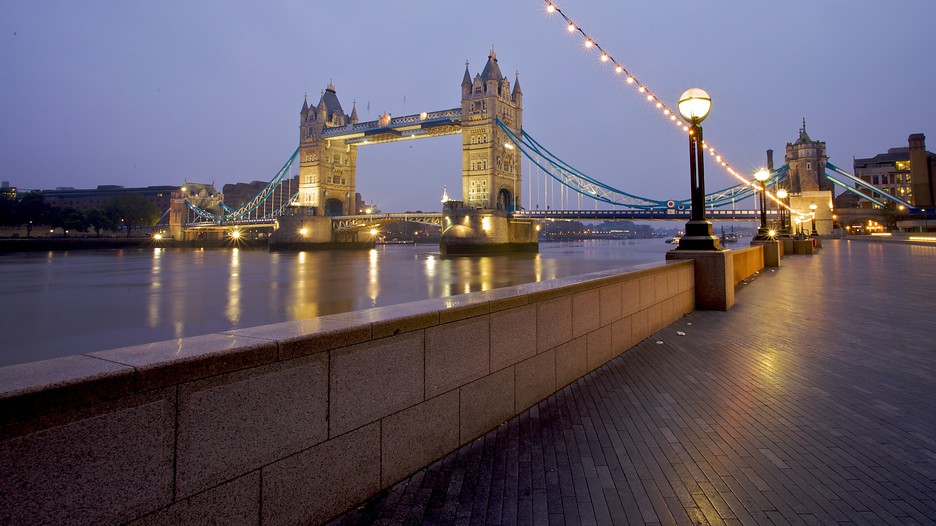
(807, 160)
(490, 165)
(327, 171)
(807, 182)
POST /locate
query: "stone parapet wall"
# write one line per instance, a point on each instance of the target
(298, 421)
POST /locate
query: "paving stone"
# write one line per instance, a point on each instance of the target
(811, 401)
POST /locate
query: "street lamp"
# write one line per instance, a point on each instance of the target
(782, 195)
(762, 175)
(694, 106)
(813, 207)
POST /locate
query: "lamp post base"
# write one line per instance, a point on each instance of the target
(699, 236)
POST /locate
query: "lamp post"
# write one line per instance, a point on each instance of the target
(782, 195)
(694, 106)
(813, 207)
(762, 175)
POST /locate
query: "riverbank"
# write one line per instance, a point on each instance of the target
(42, 244)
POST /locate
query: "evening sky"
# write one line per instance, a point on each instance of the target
(142, 93)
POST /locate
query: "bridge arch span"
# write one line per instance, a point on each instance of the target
(334, 207)
(505, 200)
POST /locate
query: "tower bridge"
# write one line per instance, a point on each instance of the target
(329, 140)
(324, 208)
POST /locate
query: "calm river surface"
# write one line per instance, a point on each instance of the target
(61, 303)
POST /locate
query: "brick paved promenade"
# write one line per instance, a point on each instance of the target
(812, 401)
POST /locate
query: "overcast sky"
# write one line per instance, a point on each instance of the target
(140, 93)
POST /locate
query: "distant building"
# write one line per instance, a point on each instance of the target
(7, 191)
(87, 199)
(237, 194)
(161, 196)
(904, 172)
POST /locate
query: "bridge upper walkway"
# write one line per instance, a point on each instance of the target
(811, 401)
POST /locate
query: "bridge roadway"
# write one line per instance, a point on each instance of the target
(435, 218)
(672, 214)
(811, 401)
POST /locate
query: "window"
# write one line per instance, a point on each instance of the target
(480, 138)
(478, 164)
(477, 191)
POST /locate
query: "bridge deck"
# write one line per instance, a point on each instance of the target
(812, 401)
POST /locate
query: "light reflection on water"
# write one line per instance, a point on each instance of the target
(61, 303)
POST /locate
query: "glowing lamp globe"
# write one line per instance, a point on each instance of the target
(694, 105)
(813, 207)
(762, 175)
(782, 193)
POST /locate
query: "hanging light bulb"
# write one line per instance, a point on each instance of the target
(618, 68)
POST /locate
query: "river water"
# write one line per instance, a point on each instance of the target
(61, 303)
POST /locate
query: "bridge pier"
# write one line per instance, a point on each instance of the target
(485, 231)
(309, 232)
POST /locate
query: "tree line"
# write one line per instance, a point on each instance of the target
(29, 210)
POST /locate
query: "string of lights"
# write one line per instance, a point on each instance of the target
(646, 93)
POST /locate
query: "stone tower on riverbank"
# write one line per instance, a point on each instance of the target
(807, 160)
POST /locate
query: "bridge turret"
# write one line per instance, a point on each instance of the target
(353, 118)
(466, 83)
(517, 95)
(491, 75)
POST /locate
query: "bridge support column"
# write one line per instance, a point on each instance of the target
(177, 212)
(472, 231)
(714, 277)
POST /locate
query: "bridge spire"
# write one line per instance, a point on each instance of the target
(466, 80)
(804, 137)
(353, 117)
(305, 103)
